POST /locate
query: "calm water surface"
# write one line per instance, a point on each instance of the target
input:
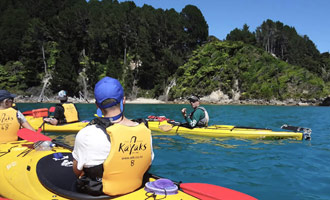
(283, 169)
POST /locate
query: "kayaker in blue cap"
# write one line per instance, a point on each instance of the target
(11, 120)
(112, 153)
(65, 112)
(199, 117)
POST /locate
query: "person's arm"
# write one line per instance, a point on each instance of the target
(152, 151)
(195, 118)
(184, 112)
(91, 148)
(58, 116)
(78, 153)
(52, 121)
(76, 171)
(22, 120)
(28, 126)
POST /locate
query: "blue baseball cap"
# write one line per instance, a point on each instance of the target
(4, 94)
(108, 92)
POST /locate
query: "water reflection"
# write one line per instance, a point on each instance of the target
(66, 138)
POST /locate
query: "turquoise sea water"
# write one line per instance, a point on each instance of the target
(272, 170)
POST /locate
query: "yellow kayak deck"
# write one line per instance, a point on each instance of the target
(165, 127)
(67, 128)
(20, 174)
(227, 131)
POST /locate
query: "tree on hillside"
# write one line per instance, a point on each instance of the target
(243, 35)
(325, 66)
(284, 42)
(13, 24)
(70, 25)
(194, 25)
(34, 41)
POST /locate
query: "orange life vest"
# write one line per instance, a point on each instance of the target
(9, 125)
(129, 158)
(70, 112)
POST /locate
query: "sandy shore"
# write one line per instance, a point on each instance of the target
(289, 102)
(22, 99)
(145, 101)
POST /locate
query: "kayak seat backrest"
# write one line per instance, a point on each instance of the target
(60, 179)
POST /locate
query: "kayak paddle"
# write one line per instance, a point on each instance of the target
(206, 191)
(165, 127)
(32, 136)
(168, 127)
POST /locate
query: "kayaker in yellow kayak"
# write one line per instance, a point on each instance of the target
(11, 120)
(65, 112)
(199, 117)
(112, 153)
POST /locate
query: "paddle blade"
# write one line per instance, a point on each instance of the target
(165, 127)
(206, 191)
(27, 113)
(32, 136)
(52, 109)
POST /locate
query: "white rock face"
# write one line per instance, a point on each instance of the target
(216, 97)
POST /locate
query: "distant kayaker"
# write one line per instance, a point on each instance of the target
(65, 112)
(199, 117)
(11, 120)
(112, 153)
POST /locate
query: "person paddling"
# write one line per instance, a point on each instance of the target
(112, 153)
(199, 117)
(11, 120)
(65, 112)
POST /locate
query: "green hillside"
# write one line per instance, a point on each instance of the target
(53, 45)
(246, 69)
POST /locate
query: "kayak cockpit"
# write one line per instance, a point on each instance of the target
(56, 174)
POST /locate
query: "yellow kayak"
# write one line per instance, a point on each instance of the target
(67, 128)
(30, 174)
(231, 131)
(296, 133)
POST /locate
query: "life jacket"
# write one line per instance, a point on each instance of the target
(204, 121)
(9, 125)
(70, 112)
(129, 158)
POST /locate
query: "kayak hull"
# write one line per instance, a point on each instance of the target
(66, 128)
(215, 131)
(225, 131)
(21, 169)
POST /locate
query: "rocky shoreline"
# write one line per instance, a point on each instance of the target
(288, 102)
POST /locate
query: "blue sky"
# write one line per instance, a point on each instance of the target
(309, 17)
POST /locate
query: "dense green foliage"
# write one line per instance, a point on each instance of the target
(253, 72)
(70, 39)
(285, 43)
(75, 43)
